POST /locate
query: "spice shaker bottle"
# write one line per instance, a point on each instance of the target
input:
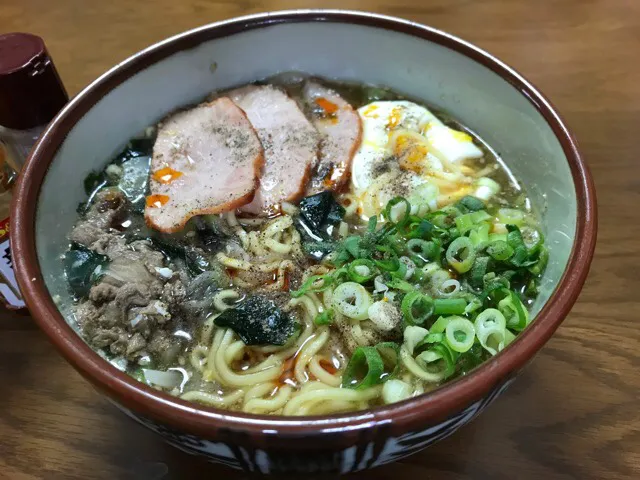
(31, 94)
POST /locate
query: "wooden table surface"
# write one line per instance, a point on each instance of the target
(574, 413)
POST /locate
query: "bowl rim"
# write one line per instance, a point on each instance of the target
(205, 421)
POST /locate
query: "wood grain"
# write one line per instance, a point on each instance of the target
(574, 411)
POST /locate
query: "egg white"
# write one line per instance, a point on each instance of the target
(427, 145)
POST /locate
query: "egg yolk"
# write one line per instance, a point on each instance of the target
(368, 112)
(460, 136)
(410, 153)
(394, 118)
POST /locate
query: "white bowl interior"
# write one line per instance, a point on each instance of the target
(469, 91)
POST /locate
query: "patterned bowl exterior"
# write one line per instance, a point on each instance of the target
(384, 448)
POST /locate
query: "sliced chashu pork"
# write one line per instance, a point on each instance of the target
(205, 160)
(340, 128)
(290, 145)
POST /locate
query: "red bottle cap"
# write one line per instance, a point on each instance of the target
(31, 92)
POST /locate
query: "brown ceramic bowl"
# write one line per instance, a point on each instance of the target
(475, 87)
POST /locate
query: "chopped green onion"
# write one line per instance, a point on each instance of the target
(494, 237)
(395, 391)
(514, 311)
(425, 195)
(438, 360)
(510, 216)
(449, 253)
(470, 359)
(449, 306)
(426, 250)
(390, 354)
(428, 341)
(339, 274)
(422, 229)
(490, 328)
(365, 369)
(508, 337)
(472, 204)
(473, 305)
(494, 288)
(514, 239)
(531, 289)
(486, 188)
(362, 270)
(452, 233)
(480, 235)
(451, 211)
(399, 284)
(416, 308)
(467, 221)
(351, 300)
(533, 239)
(461, 254)
(460, 334)
(434, 338)
(390, 261)
(492, 339)
(387, 230)
(464, 223)
(401, 271)
(540, 265)
(430, 268)
(438, 279)
(352, 245)
(392, 208)
(440, 324)
(478, 271)
(338, 257)
(418, 275)
(412, 336)
(419, 262)
(324, 318)
(500, 250)
(490, 318)
(396, 242)
(435, 373)
(315, 283)
(447, 288)
(441, 219)
(371, 225)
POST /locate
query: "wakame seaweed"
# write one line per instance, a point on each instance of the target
(195, 262)
(83, 267)
(135, 161)
(319, 214)
(258, 321)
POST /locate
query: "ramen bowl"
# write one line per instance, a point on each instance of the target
(451, 74)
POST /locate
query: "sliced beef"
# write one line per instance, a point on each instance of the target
(133, 263)
(102, 293)
(340, 128)
(165, 347)
(103, 337)
(290, 145)
(205, 160)
(131, 304)
(135, 345)
(107, 208)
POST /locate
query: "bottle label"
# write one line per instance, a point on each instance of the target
(8, 285)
